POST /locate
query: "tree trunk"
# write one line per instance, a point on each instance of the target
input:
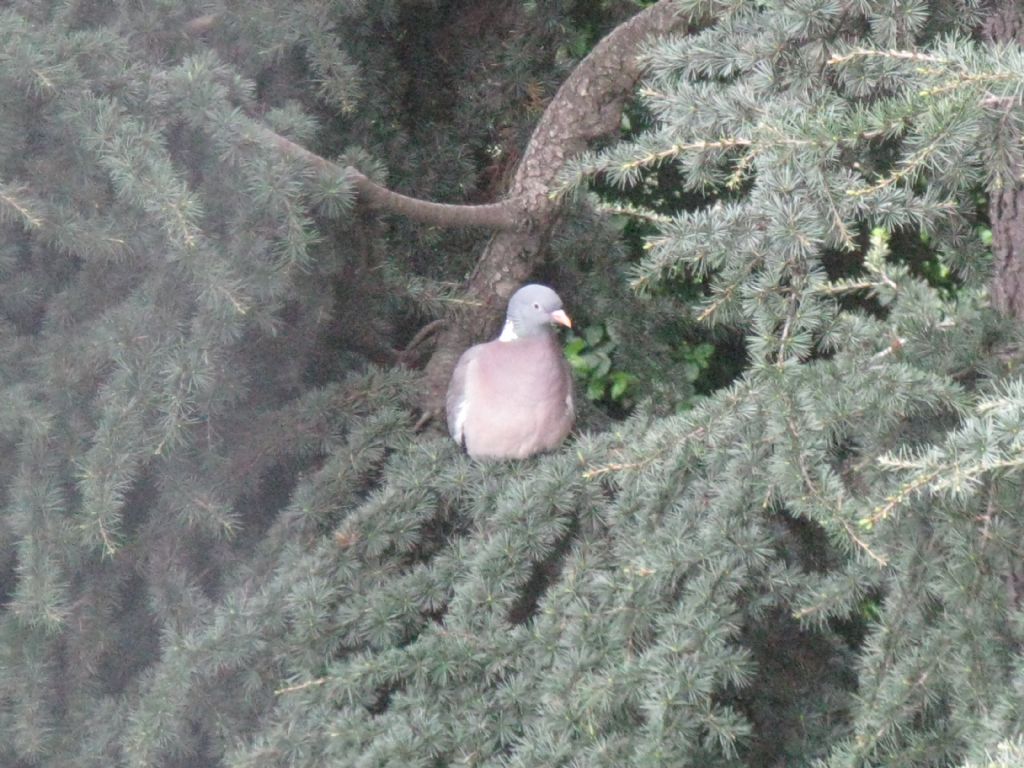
(1006, 204)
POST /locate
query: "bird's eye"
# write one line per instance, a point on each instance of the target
(536, 305)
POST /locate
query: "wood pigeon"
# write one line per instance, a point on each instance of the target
(512, 397)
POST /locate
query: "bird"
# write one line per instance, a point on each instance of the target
(512, 398)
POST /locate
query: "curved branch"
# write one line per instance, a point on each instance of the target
(587, 106)
(504, 216)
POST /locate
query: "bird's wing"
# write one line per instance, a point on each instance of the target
(456, 402)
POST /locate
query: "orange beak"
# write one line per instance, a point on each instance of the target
(559, 316)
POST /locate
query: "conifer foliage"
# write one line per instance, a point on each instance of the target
(223, 542)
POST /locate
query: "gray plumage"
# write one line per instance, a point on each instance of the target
(512, 397)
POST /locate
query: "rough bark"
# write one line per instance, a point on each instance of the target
(1006, 204)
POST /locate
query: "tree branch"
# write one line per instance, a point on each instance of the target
(503, 216)
(506, 215)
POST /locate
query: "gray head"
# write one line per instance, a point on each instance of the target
(531, 311)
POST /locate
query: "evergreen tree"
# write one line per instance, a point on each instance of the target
(226, 540)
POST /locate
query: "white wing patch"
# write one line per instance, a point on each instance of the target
(459, 423)
(459, 396)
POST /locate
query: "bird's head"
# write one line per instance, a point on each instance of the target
(531, 312)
